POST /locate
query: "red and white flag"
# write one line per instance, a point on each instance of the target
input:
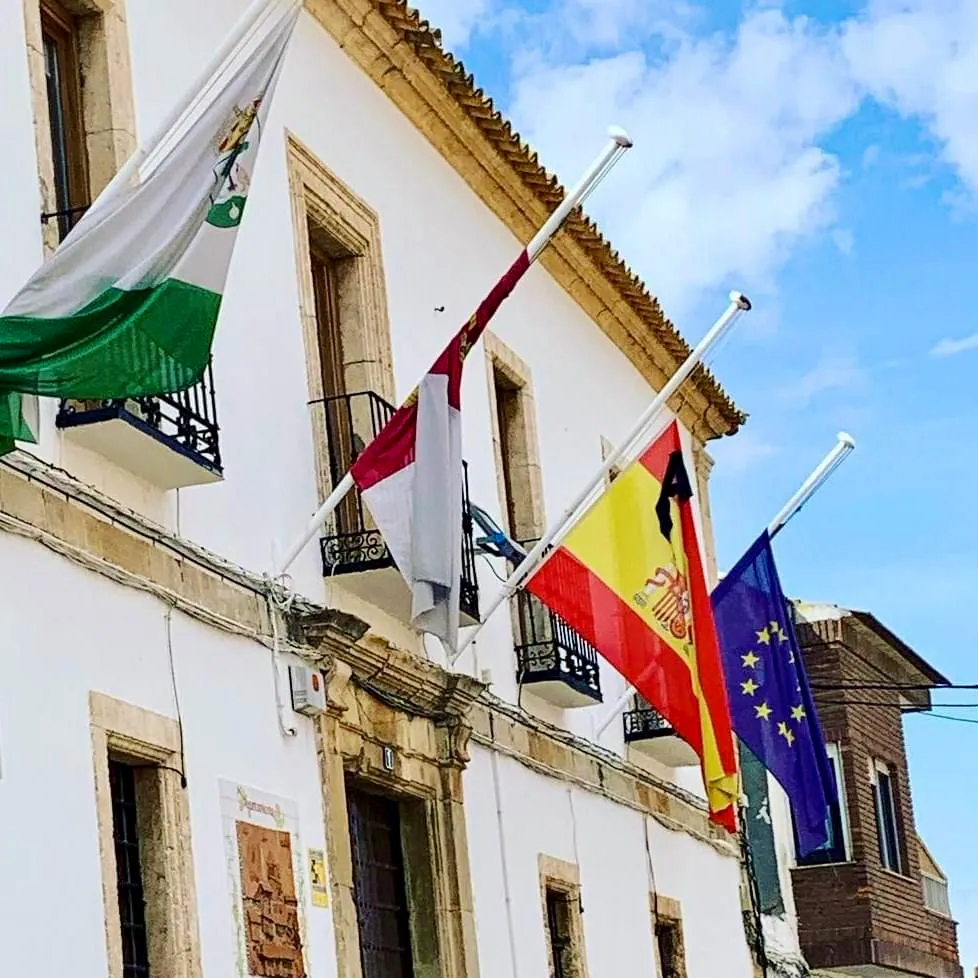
(410, 477)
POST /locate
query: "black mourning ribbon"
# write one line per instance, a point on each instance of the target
(675, 485)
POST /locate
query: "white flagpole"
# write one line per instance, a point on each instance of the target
(820, 474)
(840, 452)
(250, 20)
(619, 143)
(738, 303)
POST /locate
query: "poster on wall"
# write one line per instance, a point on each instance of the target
(266, 882)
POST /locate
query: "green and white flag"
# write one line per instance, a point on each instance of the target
(127, 305)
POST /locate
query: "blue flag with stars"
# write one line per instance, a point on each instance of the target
(770, 701)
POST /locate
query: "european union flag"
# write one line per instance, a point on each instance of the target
(770, 701)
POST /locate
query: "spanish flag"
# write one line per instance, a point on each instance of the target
(629, 578)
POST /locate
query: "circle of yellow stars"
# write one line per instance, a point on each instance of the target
(772, 632)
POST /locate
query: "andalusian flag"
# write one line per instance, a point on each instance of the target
(629, 578)
(127, 305)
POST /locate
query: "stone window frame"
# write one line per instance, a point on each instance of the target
(418, 761)
(668, 913)
(108, 113)
(501, 359)
(321, 199)
(564, 878)
(153, 742)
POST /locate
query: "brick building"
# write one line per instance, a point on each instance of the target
(874, 902)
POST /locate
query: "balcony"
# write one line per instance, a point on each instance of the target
(353, 547)
(560, 664)
(171, 440)
(648, 732)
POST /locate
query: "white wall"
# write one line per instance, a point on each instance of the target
(607, 841)
(67, 632)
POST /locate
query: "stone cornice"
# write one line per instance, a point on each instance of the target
(558, 754)
(391, 44)
(401, 678)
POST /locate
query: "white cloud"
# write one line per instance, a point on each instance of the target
(949, 347)
(844, 240)
(457, 19)
(743, 452)
(727, 173)
(831, 373)
(730, 171)
(920, 57)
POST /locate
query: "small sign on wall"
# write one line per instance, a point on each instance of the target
(317, 878)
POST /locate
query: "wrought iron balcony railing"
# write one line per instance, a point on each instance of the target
(185, 421)
(353, 543)
(550, 650)
(644, 723)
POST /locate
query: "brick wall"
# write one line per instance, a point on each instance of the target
(859, 912)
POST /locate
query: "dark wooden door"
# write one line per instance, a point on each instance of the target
(379, 885)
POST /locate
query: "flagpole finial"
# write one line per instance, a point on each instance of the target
(620, 136)
(741, 301)
(846, 439)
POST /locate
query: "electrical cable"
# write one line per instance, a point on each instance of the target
(940, 706)
(168, 620)
(842, 685)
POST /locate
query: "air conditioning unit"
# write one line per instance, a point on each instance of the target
(308, 690)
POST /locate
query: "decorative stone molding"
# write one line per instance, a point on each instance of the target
(405, 736)
(327, 211)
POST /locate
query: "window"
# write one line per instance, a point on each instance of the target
(132, 905)
(344, 434)
(670, 949)
(838, 849)
(512, 452)
(343, 303)
(561, 909)
(62, 77)
(379, 885)
(935, 895)
(884, 791)
(144, 840)
(560, 889)
(515, 438)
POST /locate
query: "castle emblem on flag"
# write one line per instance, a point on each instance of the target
(668, 591)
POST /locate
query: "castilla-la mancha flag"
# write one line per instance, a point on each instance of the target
(629, 578)
(410, 477)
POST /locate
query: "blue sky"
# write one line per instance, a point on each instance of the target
(822, 157)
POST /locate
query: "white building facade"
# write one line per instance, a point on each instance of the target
(160, 798)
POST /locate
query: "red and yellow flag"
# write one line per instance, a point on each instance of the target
(629, 578)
